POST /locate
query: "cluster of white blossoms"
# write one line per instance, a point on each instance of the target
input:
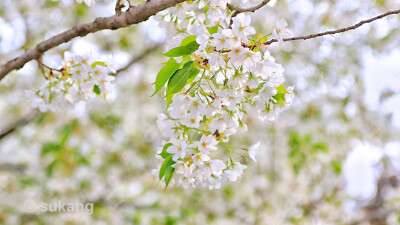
(79, 79)
(218, 74)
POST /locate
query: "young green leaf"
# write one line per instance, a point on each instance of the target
(51, 147)
(280, 98)
(169, 172)
(164, 154)
(98, 63)
(180, 77)
(212, 30)
(183, 50)
(282, 89)
(96, 89)
(166, 168)
(165, 73)
(188, 40)
(263, 39)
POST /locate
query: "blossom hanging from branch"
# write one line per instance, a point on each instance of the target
(79, 79)
(215, 76)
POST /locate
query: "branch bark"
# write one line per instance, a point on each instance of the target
(134, 15)
(359, 24)
(251, 9)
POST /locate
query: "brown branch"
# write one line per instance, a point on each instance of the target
(9, 167)
(336, 31)
(375, 211)
(375, 216)
(19, 123)
(251, 9)
(134, 15)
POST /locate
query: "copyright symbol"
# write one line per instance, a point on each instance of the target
(29, 206)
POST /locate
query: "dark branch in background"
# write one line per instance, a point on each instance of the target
(336, 31)
(19, 123)
(138, 58)
(35, 113)
(376, 213)
(12, 167)
(133, 15)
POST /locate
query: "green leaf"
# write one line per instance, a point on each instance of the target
(320, 146)
(282, 89)
(167, 170)
(96, 89)
(381, 2)
(212, 30)
(337, 167)
(188, 40)
(183, 50)
(51, 147)
(264, 39)
(50, 168)
(51, 4)
(280, 98)
(164, 154)
(186, 59)
(165, 73)
(180, 78)
(98, 63)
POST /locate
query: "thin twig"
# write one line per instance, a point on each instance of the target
(138, 58)
(251, 9)
(41, 64)
(238, 10)
(118, 7)
(336, 31)
(12, 167)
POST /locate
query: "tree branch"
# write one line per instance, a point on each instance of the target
(134, 15)
(12, 167)
(336, 31)
(376, 213)
(242, 10)
(118, 7)
(19, 123)
(238, 10)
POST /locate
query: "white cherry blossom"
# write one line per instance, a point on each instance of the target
(254, 151)
(241, 26)
(281, 31)
(235, 172)
(178, 149)
(207, 144)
